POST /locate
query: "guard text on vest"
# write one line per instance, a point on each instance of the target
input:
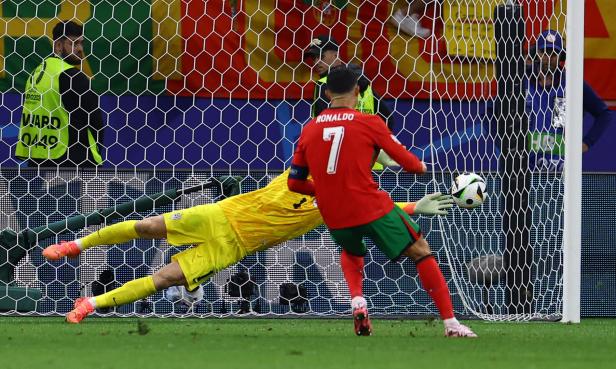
(40, 121)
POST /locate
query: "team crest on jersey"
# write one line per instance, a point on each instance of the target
(176, 216)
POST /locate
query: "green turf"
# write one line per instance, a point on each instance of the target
(308, 343)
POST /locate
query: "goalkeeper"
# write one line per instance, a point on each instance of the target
(223, 234)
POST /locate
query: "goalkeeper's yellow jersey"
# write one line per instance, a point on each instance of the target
(270, 215)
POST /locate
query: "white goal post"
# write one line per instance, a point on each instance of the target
(572, 250)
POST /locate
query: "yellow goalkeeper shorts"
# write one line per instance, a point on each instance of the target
(216, 245)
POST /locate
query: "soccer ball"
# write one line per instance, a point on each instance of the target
(181, 295)
(468, 190)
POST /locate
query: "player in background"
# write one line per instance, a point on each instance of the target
(223, 233)
(337, 149)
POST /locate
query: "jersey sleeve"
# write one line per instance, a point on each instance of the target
(299, 164)
(386, 141)
(384, 111)
(80, 100)
(298, 175)
(320, 102)
(600, 112)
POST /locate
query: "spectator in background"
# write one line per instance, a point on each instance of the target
(322, 55)
(545, 102)
(407, 20)
(61, 124)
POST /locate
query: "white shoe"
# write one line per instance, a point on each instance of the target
(459, 330)
(358, 302)
(409, 24)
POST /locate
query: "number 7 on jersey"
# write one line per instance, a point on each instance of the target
(334, 134)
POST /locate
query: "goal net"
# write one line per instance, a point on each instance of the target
(197, 90)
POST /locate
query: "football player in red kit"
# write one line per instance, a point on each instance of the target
(338, 148)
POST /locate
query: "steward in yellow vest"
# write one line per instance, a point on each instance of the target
(61, 124)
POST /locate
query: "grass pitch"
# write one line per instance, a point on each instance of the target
(299, 343)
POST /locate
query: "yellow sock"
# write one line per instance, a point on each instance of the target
(129, 292)
(110, 235)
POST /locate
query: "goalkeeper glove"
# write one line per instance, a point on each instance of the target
(434, 204)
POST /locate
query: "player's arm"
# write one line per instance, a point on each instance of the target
(431, 204)
(321, 102)
(298, 180)
(83, 104)
(383, 110)
(396, 151)
(600, 112)
(298, 175)
(384, 159)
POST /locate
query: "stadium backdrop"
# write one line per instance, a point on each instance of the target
(223, 70)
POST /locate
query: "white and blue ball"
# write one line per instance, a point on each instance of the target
(469, 190)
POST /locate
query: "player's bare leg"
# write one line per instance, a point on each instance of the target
(434, 283)
(169, 275)
(353, 270)
(148, 228)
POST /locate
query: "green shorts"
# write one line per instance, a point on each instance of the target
(392, 233)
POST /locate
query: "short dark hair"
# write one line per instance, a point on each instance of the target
(342, 79)
(321, 44)
(66, 29)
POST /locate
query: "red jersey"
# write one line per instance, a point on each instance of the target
(338, 149)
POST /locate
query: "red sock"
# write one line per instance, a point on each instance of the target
(353, 270)
(434, 283)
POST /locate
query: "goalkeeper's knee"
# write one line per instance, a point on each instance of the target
(418, 250)
(152, 228)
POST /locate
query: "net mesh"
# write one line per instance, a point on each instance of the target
(191, 90)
